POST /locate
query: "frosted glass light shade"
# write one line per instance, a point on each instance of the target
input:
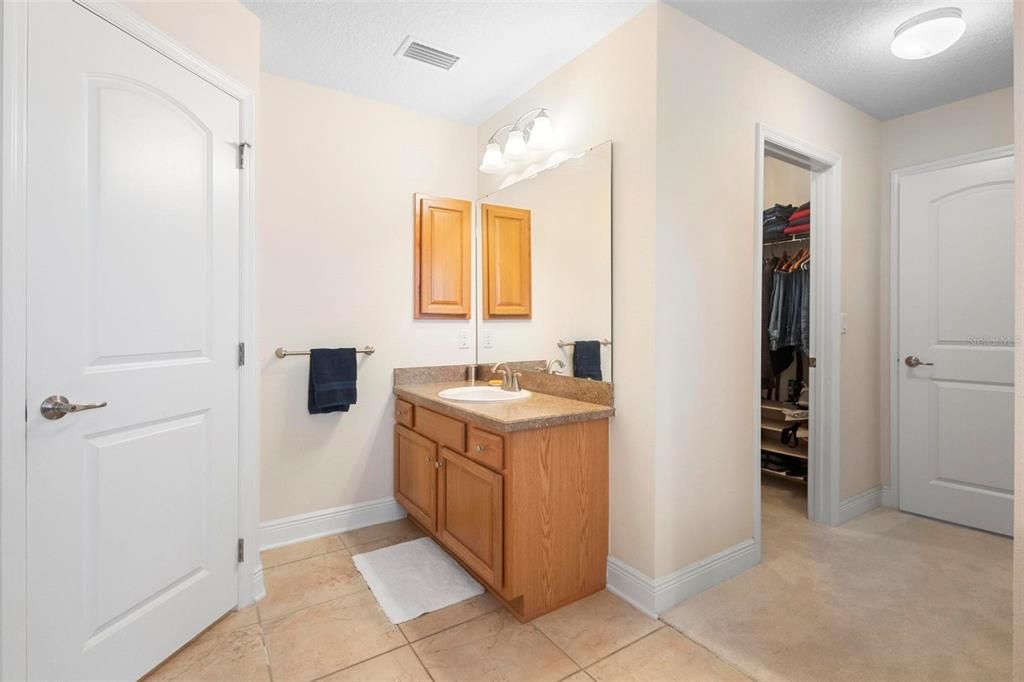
(542, 135)
(492, 161)
(515, 146)
(928, 34)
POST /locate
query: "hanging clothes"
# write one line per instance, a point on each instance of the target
(768, 372)
(785, 310)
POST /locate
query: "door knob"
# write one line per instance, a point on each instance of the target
(56, 406)
(914, 361)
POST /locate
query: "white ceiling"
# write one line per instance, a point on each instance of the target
(842, 46)
(505, 47)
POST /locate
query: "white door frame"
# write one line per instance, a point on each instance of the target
(892, 495)
(826, 319)
(13, 278)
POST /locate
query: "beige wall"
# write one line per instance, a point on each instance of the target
(785, 183)
(336, 175)
(608, 93)
(970, 125)
(222, 32)
(706, 133)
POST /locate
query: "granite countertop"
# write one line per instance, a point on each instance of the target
(538, 411)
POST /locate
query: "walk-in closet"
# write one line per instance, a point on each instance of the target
(785, 324)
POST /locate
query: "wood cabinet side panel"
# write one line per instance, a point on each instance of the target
(557, 513)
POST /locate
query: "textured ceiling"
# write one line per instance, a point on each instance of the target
(842, 46)
(505, 47)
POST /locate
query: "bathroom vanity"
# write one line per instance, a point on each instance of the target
(516, 491)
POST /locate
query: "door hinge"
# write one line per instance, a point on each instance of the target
(241, 550)
(241, 353)
(243, 155)
(812, 362)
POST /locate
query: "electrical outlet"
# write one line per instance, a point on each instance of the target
(463, 338)
(488, 339)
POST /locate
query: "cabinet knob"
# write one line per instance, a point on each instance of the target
(481, 448)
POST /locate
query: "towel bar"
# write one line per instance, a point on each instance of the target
(282, 353)
(563, 344)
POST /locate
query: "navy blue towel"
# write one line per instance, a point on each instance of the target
(586, 360)
(332, 380)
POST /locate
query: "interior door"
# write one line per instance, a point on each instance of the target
(133, 295)
(956, 337)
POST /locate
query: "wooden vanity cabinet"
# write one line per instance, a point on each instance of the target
(525, 512)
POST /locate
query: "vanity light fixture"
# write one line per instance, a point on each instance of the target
(928, 34)
(532, 132)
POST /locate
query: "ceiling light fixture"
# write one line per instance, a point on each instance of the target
(532, 132)
(928, 34)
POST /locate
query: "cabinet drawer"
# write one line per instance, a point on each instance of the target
(404, 412)
(444, 430)
(486, 448)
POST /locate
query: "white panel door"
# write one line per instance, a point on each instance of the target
(956, 319)
(133, 295)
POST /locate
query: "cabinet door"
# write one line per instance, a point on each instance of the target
(470, 514)
(416, 476)
(442, 258)
(506, 260)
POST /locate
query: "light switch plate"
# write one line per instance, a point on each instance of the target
(488, 339)
(463, 338)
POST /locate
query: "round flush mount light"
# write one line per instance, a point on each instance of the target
(928, 34)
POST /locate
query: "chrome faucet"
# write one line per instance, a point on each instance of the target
(549, 368)
(509, 377)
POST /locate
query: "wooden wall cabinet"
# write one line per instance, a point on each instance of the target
(525, 512)
(506, 262)
(442, 260)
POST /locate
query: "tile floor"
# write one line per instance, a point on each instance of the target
(889, 596)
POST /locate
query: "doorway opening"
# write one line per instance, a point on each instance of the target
(797, 263)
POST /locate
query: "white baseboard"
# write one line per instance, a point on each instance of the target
(631, 586)
(655, 596)
(292, 529)
(852, 507)
(890, 498)
(259, 590)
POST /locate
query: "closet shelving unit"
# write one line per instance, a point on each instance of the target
(775, 418)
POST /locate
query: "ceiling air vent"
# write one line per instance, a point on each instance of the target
(414, 49)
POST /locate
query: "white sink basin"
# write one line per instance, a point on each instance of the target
(482, 394)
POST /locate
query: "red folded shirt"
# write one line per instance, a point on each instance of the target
(799, 214)
(799, 229)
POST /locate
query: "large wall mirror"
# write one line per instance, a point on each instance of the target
(545, 268)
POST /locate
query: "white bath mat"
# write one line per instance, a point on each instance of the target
(414, 578)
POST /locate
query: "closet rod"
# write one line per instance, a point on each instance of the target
(790, 240)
